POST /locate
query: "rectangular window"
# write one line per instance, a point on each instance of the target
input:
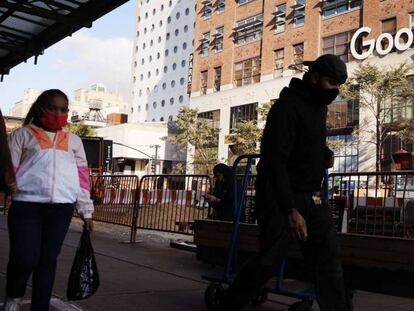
(190, 73)
(279, 62)
(248, 30)
(343, 114)
(212, 117)
(203, 82)
(338, 45)
(208, 8)
(299, 13)
(398, 108)
(411, 20)
(334, 7)
(217, 79)
(280, 18)
(247, 72)
(397, 111)
(345, 148)
(298, 57)
(221, 6)
(389, 26)
(205, 44)
(219, 35)
(240, 2)
(242, 113)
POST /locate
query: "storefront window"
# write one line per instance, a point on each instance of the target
(343, 114)
(345, 148)
(242, 113)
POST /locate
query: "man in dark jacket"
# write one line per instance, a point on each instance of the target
(290, 172)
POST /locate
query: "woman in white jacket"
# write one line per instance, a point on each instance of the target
(52, 177)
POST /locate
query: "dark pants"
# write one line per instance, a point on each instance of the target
(321, 252)
(36, 234)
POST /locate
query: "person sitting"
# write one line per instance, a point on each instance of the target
(222, 198)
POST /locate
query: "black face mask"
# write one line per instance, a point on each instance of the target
(322, 96)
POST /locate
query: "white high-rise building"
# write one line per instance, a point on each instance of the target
(163, 46)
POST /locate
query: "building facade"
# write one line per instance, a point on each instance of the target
(92, 104)
(162, 53)
(248, 50)
(140, 148)
(96, 103)
(20, 108)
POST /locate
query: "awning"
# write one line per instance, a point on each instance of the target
(28, 27)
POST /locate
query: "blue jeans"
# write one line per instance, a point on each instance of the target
(36, 234)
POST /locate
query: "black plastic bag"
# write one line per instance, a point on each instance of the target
(84, 277)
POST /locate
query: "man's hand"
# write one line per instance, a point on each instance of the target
(297, 225)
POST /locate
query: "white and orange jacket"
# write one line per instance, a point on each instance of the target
(50, 171)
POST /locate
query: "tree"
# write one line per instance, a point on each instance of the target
(407, 131)
(248, 134)
(264, 110)
(198, 133)
(81, 129)
(179, 168)
(382, 94)
(246, 138)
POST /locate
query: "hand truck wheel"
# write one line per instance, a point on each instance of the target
(213, 296)
(304, 305)
(260, 298)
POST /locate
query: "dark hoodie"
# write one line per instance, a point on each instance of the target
(292, 148)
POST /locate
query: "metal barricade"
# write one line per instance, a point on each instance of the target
(248, 212)
(114, 198)
(380, 204)
(171, 203)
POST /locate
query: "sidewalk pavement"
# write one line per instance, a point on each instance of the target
(152, 276)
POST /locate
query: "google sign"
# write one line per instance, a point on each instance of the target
(405, 34)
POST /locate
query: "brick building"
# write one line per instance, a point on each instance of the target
(246, 51)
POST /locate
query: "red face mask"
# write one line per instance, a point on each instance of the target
(52, 121)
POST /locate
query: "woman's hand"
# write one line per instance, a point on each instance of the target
(87, 224)
(12, 188)
(211, 198)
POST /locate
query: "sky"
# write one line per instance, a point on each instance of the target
(101, 54)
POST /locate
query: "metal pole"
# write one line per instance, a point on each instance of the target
(155, 158)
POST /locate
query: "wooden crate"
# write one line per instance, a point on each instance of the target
(374, 263)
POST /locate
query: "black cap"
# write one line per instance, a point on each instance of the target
(330, 66)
